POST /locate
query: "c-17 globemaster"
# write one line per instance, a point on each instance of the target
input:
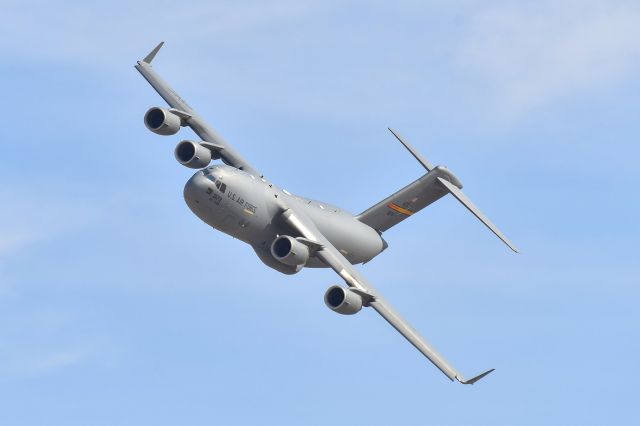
(289, 232)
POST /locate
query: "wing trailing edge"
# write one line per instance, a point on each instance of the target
(332, 257)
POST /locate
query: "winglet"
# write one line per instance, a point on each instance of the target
(147, 59)
(475, 379)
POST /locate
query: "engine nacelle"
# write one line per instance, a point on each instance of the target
(162, 121)
(342, 300)
(192, 154)
(290, 251)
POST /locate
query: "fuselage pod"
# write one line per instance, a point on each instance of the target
(248, 208)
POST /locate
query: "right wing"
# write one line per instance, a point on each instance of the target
(190, 118)
(332, 257)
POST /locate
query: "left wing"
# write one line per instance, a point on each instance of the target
(190, 118)
(331, 256)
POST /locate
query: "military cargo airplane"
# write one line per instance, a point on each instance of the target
(289, 232)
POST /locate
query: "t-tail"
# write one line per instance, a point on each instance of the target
(414, 197)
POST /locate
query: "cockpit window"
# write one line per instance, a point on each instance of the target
(209, 176)
(221, 186)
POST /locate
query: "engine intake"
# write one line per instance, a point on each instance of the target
(290, 251)
(162, 121)
(342, 300)
(193, 155)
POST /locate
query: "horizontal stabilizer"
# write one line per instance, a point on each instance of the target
(425, 163)
(475, 379)
(456, 192)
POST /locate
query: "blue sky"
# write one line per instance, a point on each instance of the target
(117, 306)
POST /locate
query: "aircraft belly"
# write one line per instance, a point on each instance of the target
(355, 240)
(242, 206)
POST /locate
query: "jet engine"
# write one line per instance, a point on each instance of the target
(192, 154)
(290, 251)
(162, 121)
(343, 300)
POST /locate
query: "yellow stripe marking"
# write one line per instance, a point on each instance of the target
(399, 209)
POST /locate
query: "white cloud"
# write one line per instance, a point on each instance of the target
(55, 361)
(93, 33)
(30, 357)
(44, 340)
(517, 55)
(39, 212)
(531, 54)
(12, 241)
(29, 217)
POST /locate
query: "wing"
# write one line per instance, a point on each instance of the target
(332, 257)
(190, 118)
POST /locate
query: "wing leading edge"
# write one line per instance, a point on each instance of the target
(189, 117)
(336, 261)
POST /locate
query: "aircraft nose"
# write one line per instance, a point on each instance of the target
(194, 190)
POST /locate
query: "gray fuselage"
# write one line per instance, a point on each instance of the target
(247, 208)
